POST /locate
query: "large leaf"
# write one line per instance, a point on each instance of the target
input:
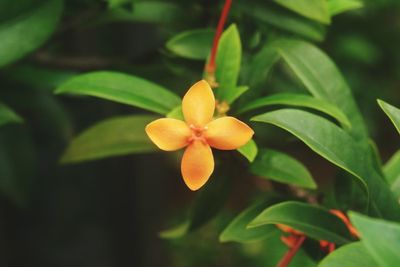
(322, 79)
(338, 147)
(339, 6)
(313, 9)
(229, 54)
(122, 88)
(7, 115)
(380, 238)
(392, 173)
(298, 100)
(392, 112)
(193, 44)
(351, 255)
(283, 168)
(237, 229)
(111, 137)
(314, 221)
(283, 19)
(24, 33)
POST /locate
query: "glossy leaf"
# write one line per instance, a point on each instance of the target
(235, 93)
(322, 79)
(299, 101)
(339, 6)
(237, 229)
(380, 238)
(284, 20)
(122, 88)
(7, 115)
(229, 54)
(314, 221)
(338, 147)
(193, 44)
(392, 112)
(351, 255)
(278, 166)
(112, 137)
(392, 173)
(312, 9)
(27, 31)
(249, 150)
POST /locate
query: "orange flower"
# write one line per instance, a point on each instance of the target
(198, 133)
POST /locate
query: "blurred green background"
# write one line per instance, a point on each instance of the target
(109, 212)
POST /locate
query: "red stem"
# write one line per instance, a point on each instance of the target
(210, 68)
(290, 254)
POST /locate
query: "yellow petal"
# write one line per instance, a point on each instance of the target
(197, 165)
(198, 104)
(168, 134)
(227, 133)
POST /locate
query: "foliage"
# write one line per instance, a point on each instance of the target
(275, 70)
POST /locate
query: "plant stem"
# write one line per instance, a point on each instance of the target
(290, 254)
(210, 67)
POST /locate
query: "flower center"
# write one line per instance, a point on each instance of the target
(197, 133)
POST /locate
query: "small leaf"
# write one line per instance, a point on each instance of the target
(313, 221)
(24, 33)
(338, 147)
(112, 137)
(299, 101)
(339, 6)
(283, 168)
(392, 112)
(249, 150)
(228, 60)
(176, 113)
(380, 238)
(392, 173)
(8, 116)
(122, 88)
(351, 255)
(236, 93)
(312, 9)
(158, 12)
(193, 44)
(237, 229)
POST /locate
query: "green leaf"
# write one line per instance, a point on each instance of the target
(299, 101)
(112, 137)
(283, 168)
(312, 9)
(380, 238)
(193, 44)
(122, 88)
(249, 150)
(235, 93)
(156, 12)
(339, 6)
(351, 255)
(237, 229)
(314, 221)
(117, 3)
(334, 144)
(392, 173)
(176, 113)
(322, 79)
(228, 60)
(392, 112)
(24, 33)
(7, 115)
(284, 20)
